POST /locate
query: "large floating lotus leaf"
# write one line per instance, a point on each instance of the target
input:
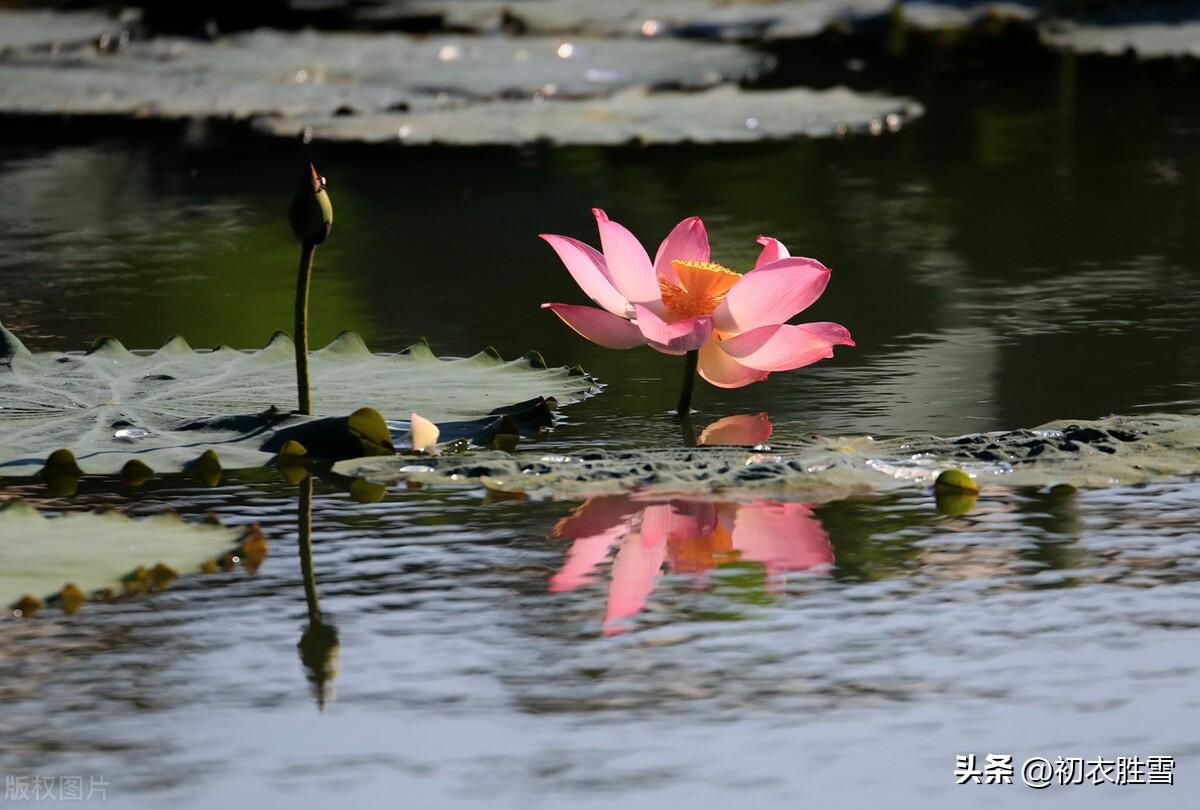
(722, 114)
(718, 19)
(165, 409)
(45, 29)
(714, 19)
(81, 555)
(1147, 39)
(1117, 450)
(313, 75)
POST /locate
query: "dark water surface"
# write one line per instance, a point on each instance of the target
(1027, 251)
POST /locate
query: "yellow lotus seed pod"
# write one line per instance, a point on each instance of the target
(956, 479)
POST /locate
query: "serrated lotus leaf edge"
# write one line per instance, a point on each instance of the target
(347, 342)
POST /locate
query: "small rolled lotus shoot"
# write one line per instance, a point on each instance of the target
(424, 434)
(311, 217)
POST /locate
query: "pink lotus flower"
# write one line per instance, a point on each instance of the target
(682, 302)
(690, 536)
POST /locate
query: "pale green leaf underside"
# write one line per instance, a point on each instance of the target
(111, 405)
(96, 550)
(1106, 452)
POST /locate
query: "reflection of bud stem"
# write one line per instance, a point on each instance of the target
(307, 251)
(319, 642)
(304, 532)
(684, 408)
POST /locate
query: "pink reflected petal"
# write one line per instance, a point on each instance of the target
(586, 265)
(673, 338)
(782, 536)
(634, 573)
(628, 263)
(747, 429)
(771, 294)
(687, 241)
(721, 370)
(585, 555)
(781, 348)
(773, 250)
(678, 519)
(598, 326)
(596, 515)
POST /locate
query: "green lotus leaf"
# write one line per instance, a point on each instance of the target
(1146, 38)
(752, 20)
(716, 115)
(312, 74)
(177, 409)
(1106, 452)
(76, 557)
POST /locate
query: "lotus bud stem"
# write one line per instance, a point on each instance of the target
(684, 409)
(311, 217)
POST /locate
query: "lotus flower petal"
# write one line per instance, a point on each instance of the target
(673, 338)
(628, 263)
(687, 241)
(587, 266)
(771, 294)
(745, 429)
(773, 250)
(721, 370)
(600, 327)
(784, 347)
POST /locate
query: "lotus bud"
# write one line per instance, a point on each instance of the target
(311, 214)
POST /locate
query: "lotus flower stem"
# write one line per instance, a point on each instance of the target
(303, 280)
(684, 409)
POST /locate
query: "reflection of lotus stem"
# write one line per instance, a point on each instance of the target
(304, 530)
(307, 251)
(689, 382)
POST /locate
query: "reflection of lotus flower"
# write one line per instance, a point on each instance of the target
(690, 536)
(682, 302)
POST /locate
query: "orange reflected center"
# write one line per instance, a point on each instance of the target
(694, 555)
(702, 286)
